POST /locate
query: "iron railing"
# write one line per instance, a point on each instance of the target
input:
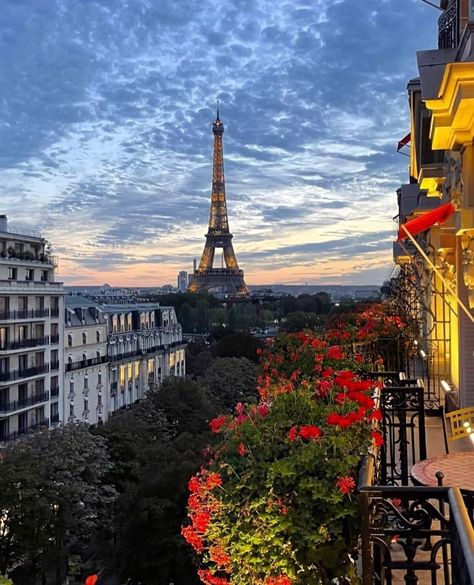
(8, 407)
(15, 435)
(86, 363)
(13, 375)
(18, 314)
(25, 343)
(448, 27)
(409, 531)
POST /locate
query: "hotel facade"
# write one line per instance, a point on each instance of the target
(436, 206)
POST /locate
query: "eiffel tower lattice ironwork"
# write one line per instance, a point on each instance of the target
(228, 280)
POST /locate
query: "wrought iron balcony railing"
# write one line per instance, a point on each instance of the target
(9, 407)
(18, 314)
(448, 27)
(86, 363)
(25, 343)
(14, 436)
(13, 375)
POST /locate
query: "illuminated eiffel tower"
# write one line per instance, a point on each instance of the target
(228, 280)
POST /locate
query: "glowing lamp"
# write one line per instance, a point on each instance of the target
(445, 386)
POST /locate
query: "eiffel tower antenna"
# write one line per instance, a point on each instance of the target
(228, 280)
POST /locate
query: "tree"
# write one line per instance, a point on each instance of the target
(300, 320)
(238, 345)
(232, 380)
(53, 498)
(147, 545)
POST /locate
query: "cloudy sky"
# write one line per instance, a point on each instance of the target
(105, 132)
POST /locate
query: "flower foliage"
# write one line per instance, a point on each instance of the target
(276, 505)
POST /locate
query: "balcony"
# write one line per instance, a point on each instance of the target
(9, 407)
(30, 285)
(25, 343)
(14, 375)
(21, 315)
(86, 363)
(127, 355)
(12, 437)
(448, 28)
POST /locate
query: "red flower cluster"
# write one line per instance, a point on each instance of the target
(308, 432)
(281, 580)
(217, 423)
(335, 353)
(345, 484)
(377, 438)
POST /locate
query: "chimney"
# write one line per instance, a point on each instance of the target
(194, 265)
(3, 223)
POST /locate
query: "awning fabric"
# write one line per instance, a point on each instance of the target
(424, 222)
(404, 141)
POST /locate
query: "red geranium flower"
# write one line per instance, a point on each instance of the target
(241, 449)
(345, 484)
(377, 438)
(293, 434)
(310, 432)
(217, 423)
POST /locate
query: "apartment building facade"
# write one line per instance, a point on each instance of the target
(31, 334)
(145, 345)
(437, 263)
(86, 376)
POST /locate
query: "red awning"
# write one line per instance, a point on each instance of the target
(404, 141)
(425, 221)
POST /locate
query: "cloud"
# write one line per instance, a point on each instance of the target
(106, 130)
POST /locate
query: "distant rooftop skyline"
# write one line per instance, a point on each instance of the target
(107, 144)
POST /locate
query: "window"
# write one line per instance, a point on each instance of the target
(71, 410)
(99, 400)
(39, 303)
(69, 360)
(22, 303)
(54, 359)
(54, 411)
(99, 378)
(39, 358)
(22, 392)
(39, 414)
(3, 337)
(54, 384)
(54, 306)
(30, 274)
(4, 304)
(84, 338)
(97, 336)
(86, 383)
(22, 332)
(71, 388)
(39, 386)
(98, 354)
(86, 405)
(69, 340)
(23, 362)
(23, 422)
(44, 276)
(12, 272)
(84, 357)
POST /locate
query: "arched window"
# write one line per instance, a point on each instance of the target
(98, 353)
(69, 360)
(69, 340)
(84, 337)
(84, 357)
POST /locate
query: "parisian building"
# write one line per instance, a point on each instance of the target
(436, 266)
(86, 378)
(115, 353)
(31, 334)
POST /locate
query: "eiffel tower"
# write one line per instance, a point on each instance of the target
(228, 280)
